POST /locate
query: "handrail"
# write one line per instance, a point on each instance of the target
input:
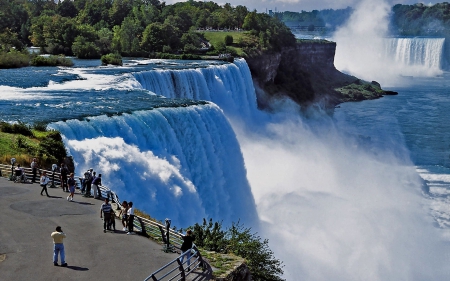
(145, 226)
(197, 262)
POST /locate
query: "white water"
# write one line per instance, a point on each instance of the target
(230, 85)
(333, 208)
(363, 49)
(181, 163)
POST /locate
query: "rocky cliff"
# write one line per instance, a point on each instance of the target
(306, 74)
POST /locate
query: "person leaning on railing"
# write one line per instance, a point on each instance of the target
(186, 247)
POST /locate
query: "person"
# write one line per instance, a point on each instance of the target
(112, 221)
(20, 173)
(88, 179)
(123, 214)
(84, 181)
(64, 172)
(34, 170)
(43, 182)
(130, 214)
(96, 182)
(71, 183)
(186, 247)
(105, 213)
(58, 246)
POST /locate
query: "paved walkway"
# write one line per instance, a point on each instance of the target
(26, 248)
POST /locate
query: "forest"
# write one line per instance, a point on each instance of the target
(137, 28)
(421, 20)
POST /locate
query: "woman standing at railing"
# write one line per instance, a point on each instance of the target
(186, 247)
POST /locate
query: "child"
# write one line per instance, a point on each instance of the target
(123, 214)
(112, 221)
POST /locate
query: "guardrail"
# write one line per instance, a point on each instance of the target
(171, 239)
(175, 270)
(6, 171)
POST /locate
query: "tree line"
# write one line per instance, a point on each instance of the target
(420, 19)
(90, 29)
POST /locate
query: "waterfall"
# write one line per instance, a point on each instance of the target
(184, 163)
(228, 85)
(417, 52)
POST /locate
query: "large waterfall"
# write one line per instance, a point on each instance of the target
(183, 163)
(229, 85)
(416, 52)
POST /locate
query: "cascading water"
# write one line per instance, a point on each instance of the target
(425, 53)
(184, 163)
(229, 85)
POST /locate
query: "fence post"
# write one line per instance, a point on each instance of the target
(180, 267)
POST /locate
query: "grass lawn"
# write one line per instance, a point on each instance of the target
(215, 37)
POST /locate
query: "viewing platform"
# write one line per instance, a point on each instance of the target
(26, 248)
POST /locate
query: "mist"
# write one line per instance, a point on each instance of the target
(335, 208)
(363, 49)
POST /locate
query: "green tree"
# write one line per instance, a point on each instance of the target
(242, 242)
(85, 49)
(228, 40)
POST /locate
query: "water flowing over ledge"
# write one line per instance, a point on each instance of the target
(184, 163)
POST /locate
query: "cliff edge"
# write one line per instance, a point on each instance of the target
(306, 74)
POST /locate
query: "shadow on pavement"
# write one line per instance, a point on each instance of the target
(50, 196)
(83, 203)
(77, 268)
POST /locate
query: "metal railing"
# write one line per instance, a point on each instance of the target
(176, 270)
(8, 172)
(146, 227)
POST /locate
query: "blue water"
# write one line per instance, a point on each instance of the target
(415, 126)
(338, 197)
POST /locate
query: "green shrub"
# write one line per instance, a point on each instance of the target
(40, 126)
(17, 128)
(112, 58)
(14, 59)
(240, 241)
(228, 40)
(51, 61)
(53, 146)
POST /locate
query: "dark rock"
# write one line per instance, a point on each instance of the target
(390, 93)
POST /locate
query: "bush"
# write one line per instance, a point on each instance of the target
(14, 59)
(51, 61)
(240, 241)
(112, 58)
(40, 126)
(53, 146)
(228, 40)
(17, 128)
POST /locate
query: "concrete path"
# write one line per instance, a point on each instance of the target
(26, 248)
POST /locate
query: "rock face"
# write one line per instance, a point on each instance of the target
(306, 74)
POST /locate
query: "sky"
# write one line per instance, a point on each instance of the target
(306, 5)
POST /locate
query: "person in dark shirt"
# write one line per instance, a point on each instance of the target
(71, 183)
(188, 241)
(64, 172)
(96, 183)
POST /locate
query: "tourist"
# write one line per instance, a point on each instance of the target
(71, 183)
(112, 221)
(43, 182)
(186, 247)
(20, 174)
(58, 246)
(130, 214)
(84, 181)
(64, 172)
(123, 214)
(96, 182)
(105, 213)
(88, 179)
(34, 170)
